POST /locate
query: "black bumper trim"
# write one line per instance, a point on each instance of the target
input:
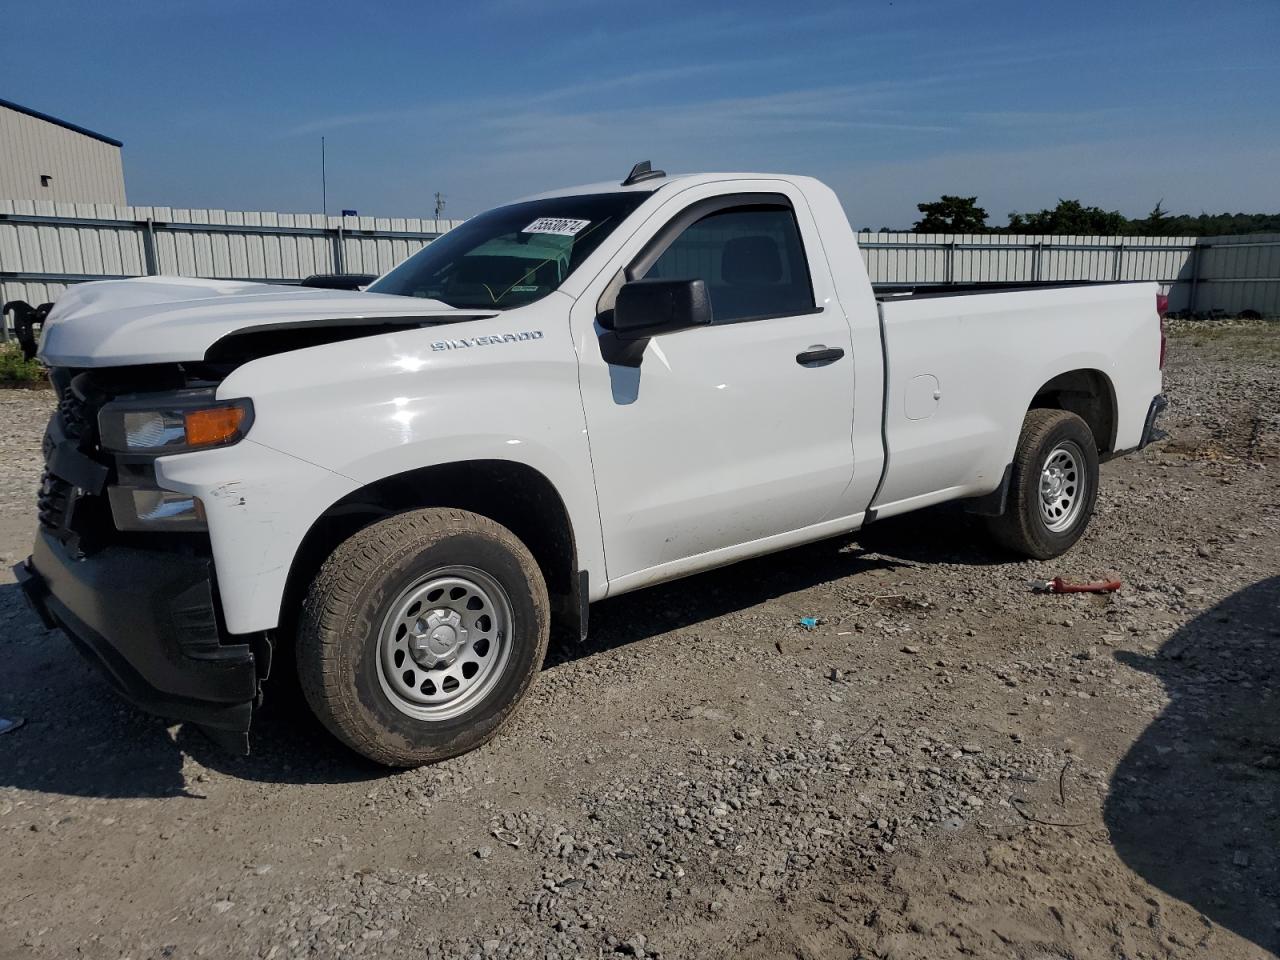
(146, 619)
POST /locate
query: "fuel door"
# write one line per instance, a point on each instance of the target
(923, 394)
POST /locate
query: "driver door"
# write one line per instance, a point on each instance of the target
(727, 434)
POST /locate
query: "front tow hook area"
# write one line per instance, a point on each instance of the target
(34, 592)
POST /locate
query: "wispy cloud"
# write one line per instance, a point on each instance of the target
(339, 120)
(485, 106)
(1018, 119)
(716, 119)
(642, 79)
(666, 91)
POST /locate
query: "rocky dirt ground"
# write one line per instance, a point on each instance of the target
(948, 765)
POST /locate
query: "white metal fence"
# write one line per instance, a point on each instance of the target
(915, 258)
(1233, 274)
(45, 246)
(1202, 275)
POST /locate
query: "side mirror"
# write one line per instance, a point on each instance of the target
(644, 308)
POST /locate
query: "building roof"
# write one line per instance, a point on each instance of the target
(62, 123)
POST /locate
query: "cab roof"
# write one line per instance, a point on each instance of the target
(656, 184)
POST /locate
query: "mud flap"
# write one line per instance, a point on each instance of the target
(993, 503)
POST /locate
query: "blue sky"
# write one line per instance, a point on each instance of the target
(222, 104)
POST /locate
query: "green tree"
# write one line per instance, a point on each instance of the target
(1069, 217)
(951, 215)
(1155, 224)
(1218, 224)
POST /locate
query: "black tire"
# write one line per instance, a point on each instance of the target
(339, 651)
(1023, 527)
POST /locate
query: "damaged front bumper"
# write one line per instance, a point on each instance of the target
(147, 619)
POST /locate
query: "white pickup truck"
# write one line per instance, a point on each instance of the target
(564, 399)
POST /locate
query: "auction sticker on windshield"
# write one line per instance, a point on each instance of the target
(559, 226)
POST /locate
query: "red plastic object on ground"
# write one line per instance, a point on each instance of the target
(1058, 585)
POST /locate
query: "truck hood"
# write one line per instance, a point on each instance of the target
(175, 319)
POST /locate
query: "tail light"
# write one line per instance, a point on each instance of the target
(1162, 307)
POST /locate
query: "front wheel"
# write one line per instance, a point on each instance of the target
(1053, 487)
(421, 634)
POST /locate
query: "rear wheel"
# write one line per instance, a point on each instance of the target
(421, 634)
(1053, 487)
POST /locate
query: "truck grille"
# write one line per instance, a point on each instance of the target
(54, 499)
(53, 502)
(63, 509)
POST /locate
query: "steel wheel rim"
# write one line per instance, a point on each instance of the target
(1063, 486)
(444, 643)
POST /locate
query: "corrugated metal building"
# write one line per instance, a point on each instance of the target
(44, 158)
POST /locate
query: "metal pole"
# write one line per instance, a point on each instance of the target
(951, 262)
(1195, 277)
(149, 248)
(339, 251)
(1035, 261)
(1119, 258)
(324, 184)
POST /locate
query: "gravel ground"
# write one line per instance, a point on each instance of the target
(948, 765)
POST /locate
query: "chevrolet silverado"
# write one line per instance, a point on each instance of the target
(396, 491)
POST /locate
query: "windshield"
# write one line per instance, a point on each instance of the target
(512, 255)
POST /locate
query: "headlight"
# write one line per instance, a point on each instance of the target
(173, 423)
(148, 508)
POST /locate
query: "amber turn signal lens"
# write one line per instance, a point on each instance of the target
(215, 425)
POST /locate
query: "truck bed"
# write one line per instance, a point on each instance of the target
(963, 366)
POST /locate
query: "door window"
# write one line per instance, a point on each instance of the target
(750, 258)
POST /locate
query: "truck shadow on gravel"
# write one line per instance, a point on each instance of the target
(941, 534)
(1194, 806)
(944, 534)
(635, 617)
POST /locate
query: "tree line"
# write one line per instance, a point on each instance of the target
(951, 214)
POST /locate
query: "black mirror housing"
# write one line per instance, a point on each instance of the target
(644, 308)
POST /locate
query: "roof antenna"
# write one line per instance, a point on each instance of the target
(643, 171)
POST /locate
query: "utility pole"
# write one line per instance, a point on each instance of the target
(324, 186)
(439, 204)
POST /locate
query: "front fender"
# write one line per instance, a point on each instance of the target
(356, 412)
(259, 503)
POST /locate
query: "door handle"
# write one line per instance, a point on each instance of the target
(819, 355)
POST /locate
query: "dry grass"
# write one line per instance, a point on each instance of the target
(1257, 341)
